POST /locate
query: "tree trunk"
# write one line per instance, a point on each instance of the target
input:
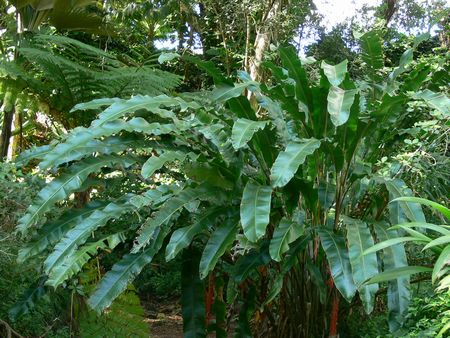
(6, 133)
(262, 40)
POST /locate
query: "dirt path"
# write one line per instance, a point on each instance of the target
(165, 319)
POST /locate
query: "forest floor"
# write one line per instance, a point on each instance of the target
(164, 318)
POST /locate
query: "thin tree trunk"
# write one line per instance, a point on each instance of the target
(262, 40)
(6, 133)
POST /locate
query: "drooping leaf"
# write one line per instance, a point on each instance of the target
(255, 210)
(155, 163)
(250, 261)
(117, 279)
(285, 233)
(219, 242)
(438, 101)
(182, 238)
(81, 231)
(397, 188)
(192, 297)
(223, 92)
(243, 130)
(372, 52)
(335, 74)
(52, 232)
(292, 63)
(339, 103)
(73, 263)
(438, 228)
(168, 210)
(338, 259)
(61, 187)
(398, 289)
(442, 209)
(363, 266)
(289, 160)
(397, 273)
(440, 264)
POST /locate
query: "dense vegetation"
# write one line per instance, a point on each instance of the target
(270, 194)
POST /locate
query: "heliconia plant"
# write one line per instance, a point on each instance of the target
(270, 187)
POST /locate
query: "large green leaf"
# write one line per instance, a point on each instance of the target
(255, 210)
(192, 297)
(339, 103)
(243, 130)
(81, 231)
(440, 264)
(338, 259)
(249, 262)
(292, 63)
(61, 187)
(439, 207)
(223, 92)
(219, 242)
(335, 74)
(182, 238)
(438, 101)
(372, 52)
(157, 162)
(168, 210)
(405, 59)
(363, 266)
(397, 188)
(289, 160)
(117, 279)
(52, 232)
(285, 233)
(394, 257)
(73, 263)
(403, 271)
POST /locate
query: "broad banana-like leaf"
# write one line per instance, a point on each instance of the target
(289, 160)
(95, 104)
(438, 101)
(192, 297)
(81, 232)
(338, 259)
(157, 162)
(397, 188)
(51, 233)
(372, 52)
(403, 271)
(117, 279)
(443, 210)
(339, 103)
(151, 103)
(335, 74)
(405, 59)
(440, 264)
(223, 92)
(394, 257)
(76, 142)
(182, 238)
(285, 233)
(292, 63)
(167, 211)
(221, 139)
(255, 210)
(66, 154)
(33, 153)
(243, 130)
(250, 261)
(73, 263)
(363, 266)
(61, 187)
(219, 242)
